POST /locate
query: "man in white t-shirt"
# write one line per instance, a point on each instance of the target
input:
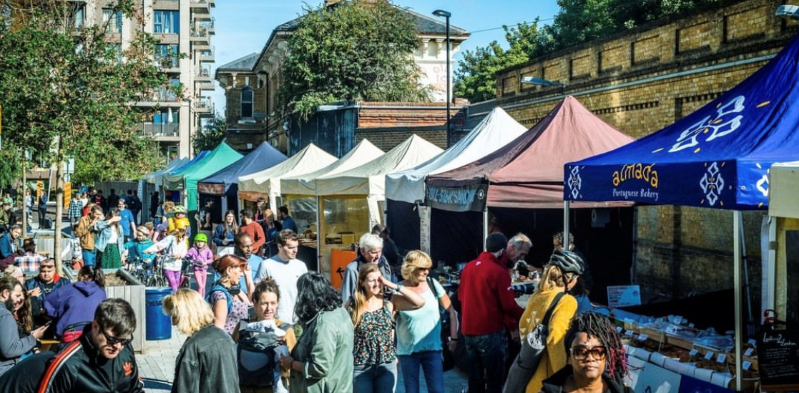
(285, 269)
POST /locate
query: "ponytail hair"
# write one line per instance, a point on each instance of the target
(92, 273)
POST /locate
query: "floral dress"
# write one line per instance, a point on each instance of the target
(374, 338)
(238, 310)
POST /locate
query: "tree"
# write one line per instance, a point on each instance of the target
(475, 78)
(211, 135)
(67, 90)
(352, 51)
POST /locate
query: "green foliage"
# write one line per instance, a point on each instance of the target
(211, 135)
(475, 78)
(353, 51)
(68, 92)
(10, 168)
(581, 21)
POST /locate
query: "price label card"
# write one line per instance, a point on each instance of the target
(722, 357)
(746, 365)
(642, 337)
(628, 332)
(691, 325)
(753, 342)
(709, 355)
(619, 329)
(693, 352)
(749, 351)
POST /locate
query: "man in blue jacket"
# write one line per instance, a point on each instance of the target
(126, 220)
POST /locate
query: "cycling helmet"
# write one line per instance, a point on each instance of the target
(201, 237)
(179, 209)
(567, 261)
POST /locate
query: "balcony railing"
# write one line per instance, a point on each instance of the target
(160, 129)
(167, 62)
(161, 94)
(204, 73)
(207, 53)
(203, 103)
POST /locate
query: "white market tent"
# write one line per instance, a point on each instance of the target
(305, 184)
(266, 183)
(784, 183)
(783, 209)
(370, 179)
(349, 201)
(495, 131)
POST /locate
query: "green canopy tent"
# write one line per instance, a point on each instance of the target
(186, 180)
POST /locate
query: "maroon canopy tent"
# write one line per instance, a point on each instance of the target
(528, 172)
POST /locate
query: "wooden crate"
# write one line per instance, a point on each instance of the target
(134, 294)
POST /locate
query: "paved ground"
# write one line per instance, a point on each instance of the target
(157, 364)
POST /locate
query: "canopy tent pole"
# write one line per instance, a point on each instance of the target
(771, 266)
(485, 225)
(318, 241)
(737, 218)
(750, 327)
(566, 206)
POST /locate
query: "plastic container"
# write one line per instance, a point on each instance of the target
(158, 326)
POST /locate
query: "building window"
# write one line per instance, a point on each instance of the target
(166, 22)
(167, 55)
(246, 102)
(77, 16)
(112, 20)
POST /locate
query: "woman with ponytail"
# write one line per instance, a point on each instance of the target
(73, 306)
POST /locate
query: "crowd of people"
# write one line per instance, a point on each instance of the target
(270, 325)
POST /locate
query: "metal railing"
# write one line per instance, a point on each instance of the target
(203, 103)
(204, 72)
(160, 129)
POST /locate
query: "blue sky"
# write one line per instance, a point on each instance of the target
(243, 26)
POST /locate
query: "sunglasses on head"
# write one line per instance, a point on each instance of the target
(581, 353)
(111, 340)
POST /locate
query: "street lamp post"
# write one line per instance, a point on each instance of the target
(446, 15)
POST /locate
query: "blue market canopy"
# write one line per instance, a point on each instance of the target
(226, 180)
(717, 157)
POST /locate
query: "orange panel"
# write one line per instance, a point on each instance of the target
(339, 259)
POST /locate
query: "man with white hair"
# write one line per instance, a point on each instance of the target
(370, 251)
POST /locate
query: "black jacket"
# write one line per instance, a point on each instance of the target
(81, 368)
(207, 363)
(554, 383)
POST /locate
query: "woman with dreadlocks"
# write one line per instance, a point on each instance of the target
(597, 362)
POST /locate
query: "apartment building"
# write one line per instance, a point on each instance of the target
(184, 29)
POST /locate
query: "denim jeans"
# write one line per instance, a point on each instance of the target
(378, 378)
(89, 258)
(431, 363)
(486, 355)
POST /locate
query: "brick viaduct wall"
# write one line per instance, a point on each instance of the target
(642, 80)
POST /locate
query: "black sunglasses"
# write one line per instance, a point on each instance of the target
(581, 353)
(111, 340)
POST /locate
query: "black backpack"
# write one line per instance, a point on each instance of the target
(262, 343)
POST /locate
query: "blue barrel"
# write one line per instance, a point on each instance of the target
(159, 326)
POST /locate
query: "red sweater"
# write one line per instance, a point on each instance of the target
(487, 299)
(256, 235)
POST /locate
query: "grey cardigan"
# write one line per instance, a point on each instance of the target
(12, 347)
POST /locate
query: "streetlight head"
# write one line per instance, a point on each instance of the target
(447, 14)
(788, 11)
(541, 82)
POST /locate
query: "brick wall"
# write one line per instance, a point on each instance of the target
(642, 80)
(387, 139)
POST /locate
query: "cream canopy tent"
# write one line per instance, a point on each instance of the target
(305, 184)
(266, 183)
(369, 179)
(495, 131)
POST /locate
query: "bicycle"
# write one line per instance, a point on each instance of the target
(155, 273)
(187, 271)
